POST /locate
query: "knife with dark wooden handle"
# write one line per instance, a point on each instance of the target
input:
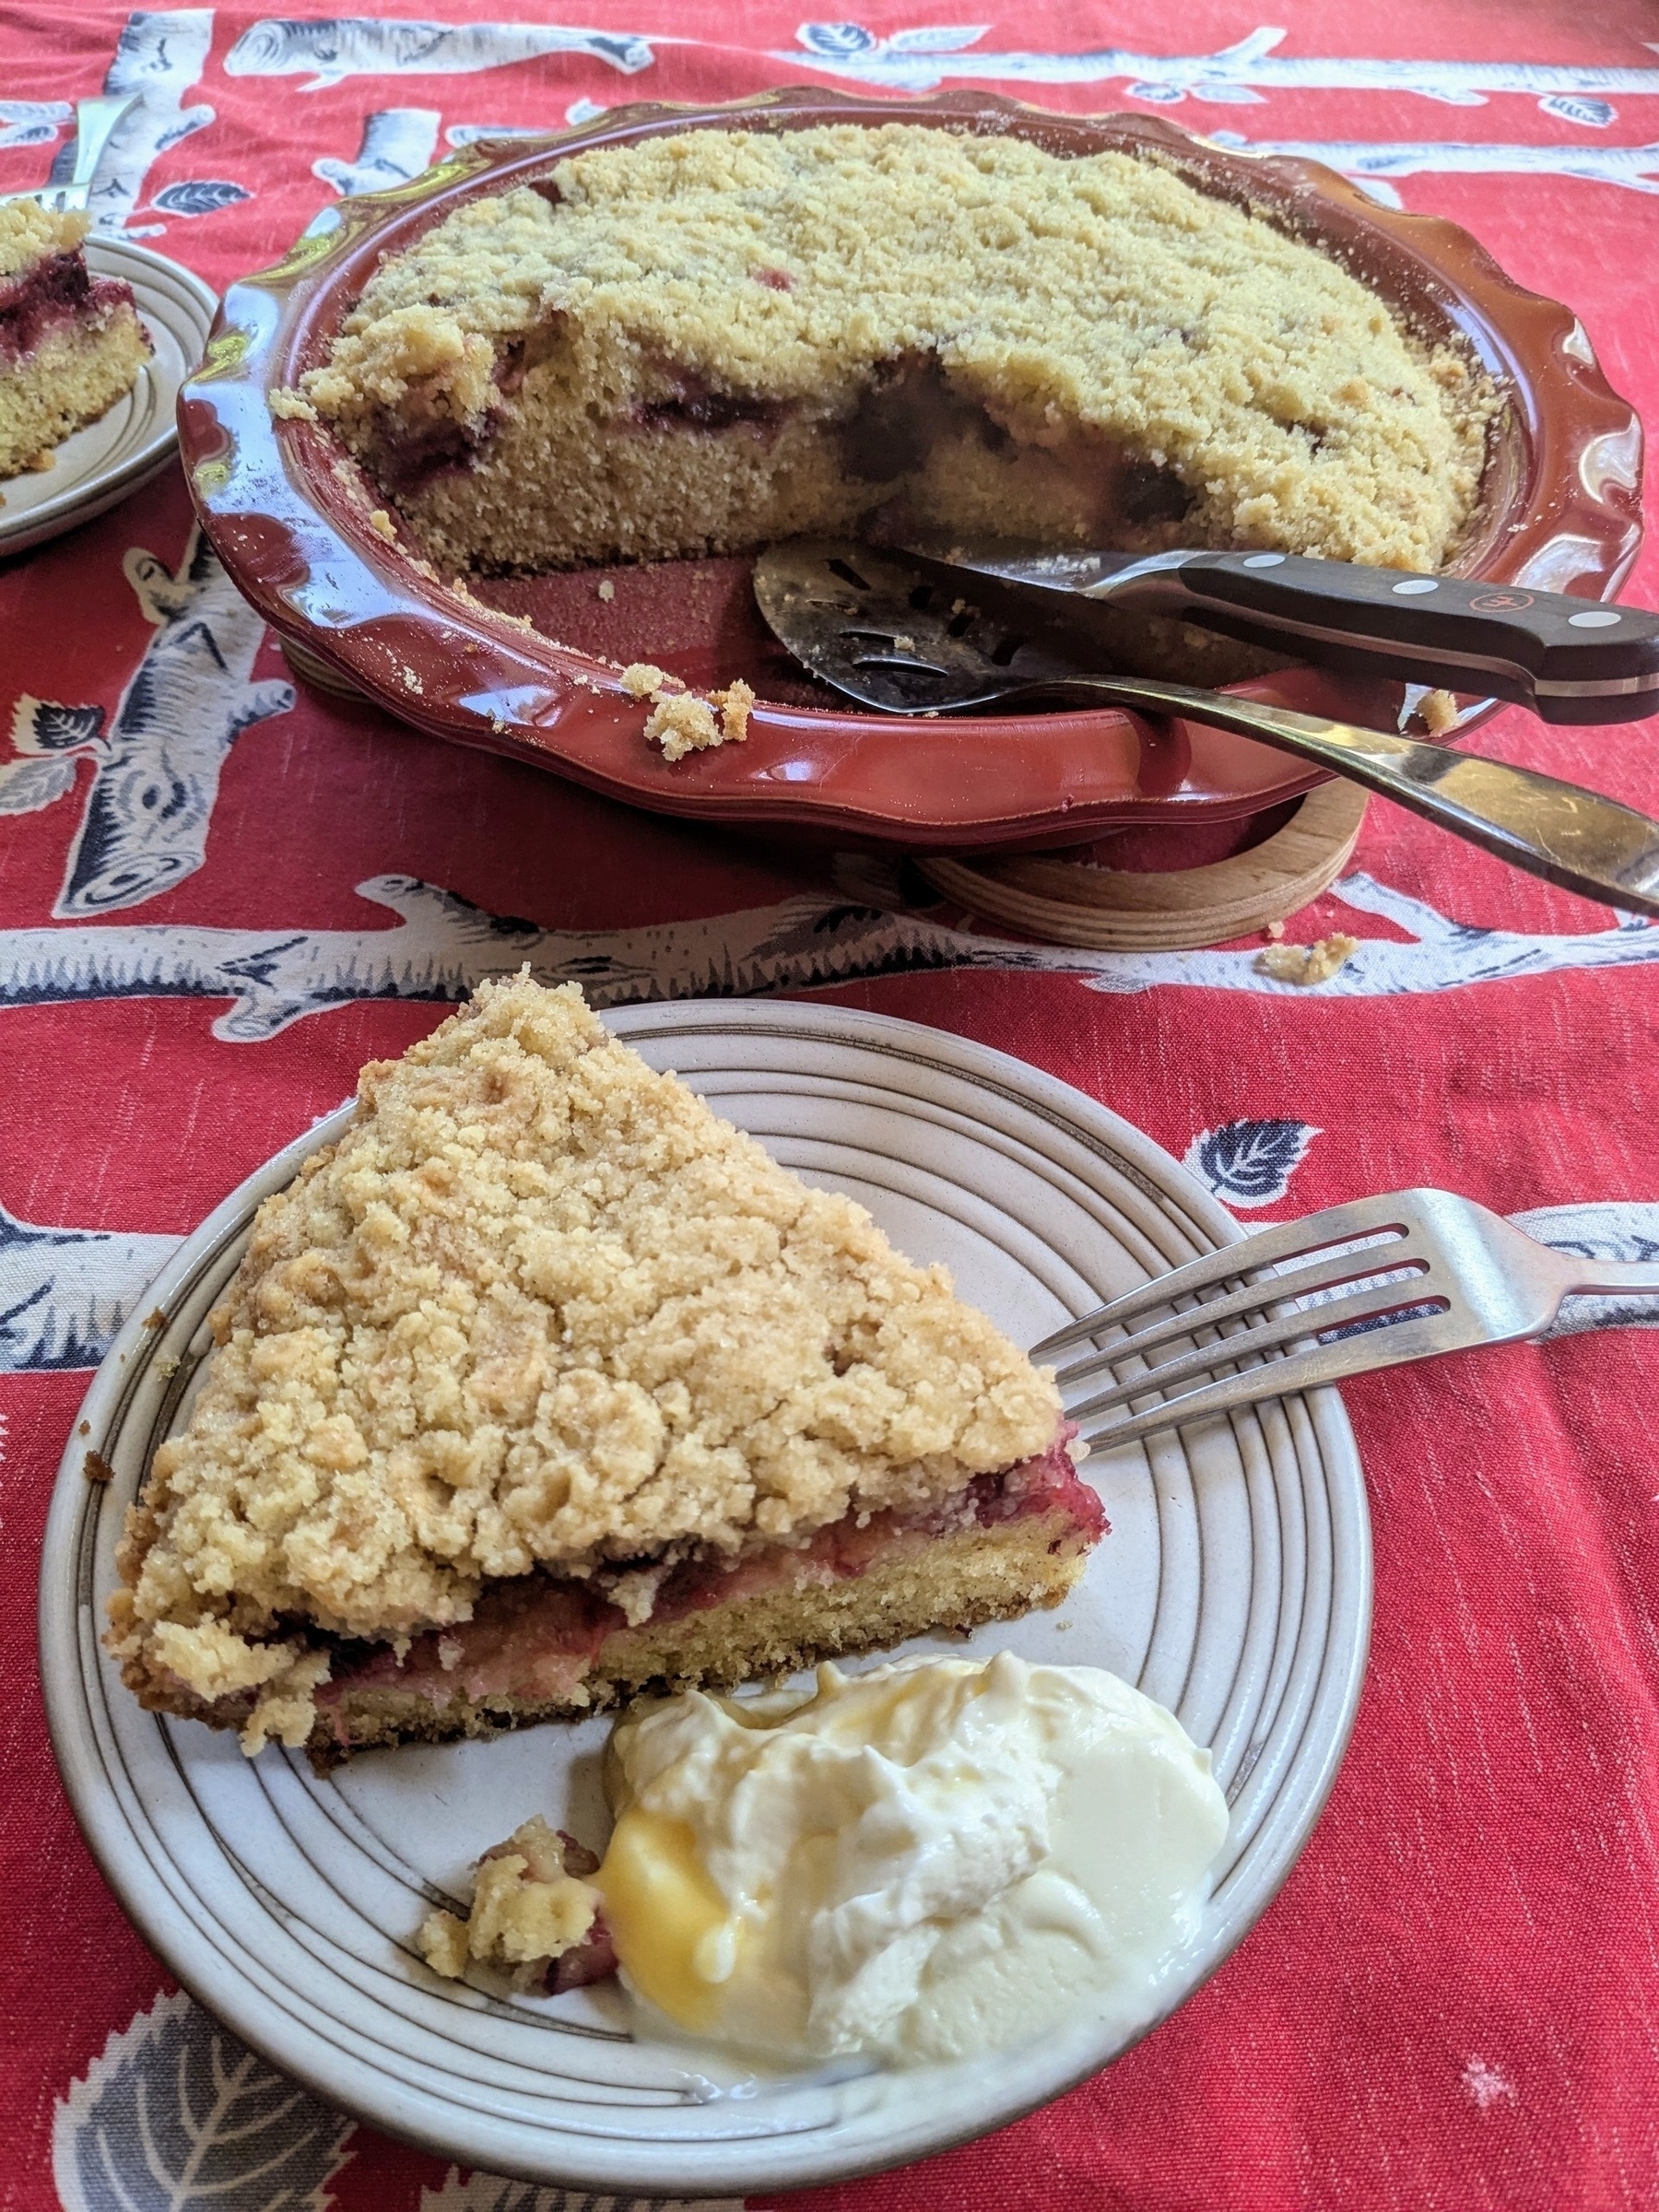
(1569, 660)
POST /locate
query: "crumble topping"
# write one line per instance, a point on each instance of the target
(1314, 963)
(531, 1911)
(29, 232)
(716, 280)
(538, 1308)
(680, 720)
(289, 406)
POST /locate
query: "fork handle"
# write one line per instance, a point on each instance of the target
(1611, 1279)
(95, 122)
(1568, 835)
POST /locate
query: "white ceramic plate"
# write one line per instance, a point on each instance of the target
(135, 439)
(1234, 1587)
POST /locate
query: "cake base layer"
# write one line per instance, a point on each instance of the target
(918, 1586)
(75, 372)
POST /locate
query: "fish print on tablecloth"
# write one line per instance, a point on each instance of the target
(397, 144)
(32, 122)
(443, 946)
(65, 1293)
(1248, 1164)
(157, 764)
(175, 2116)
(160, 55)
(1370, 162)
(920, 60)
(328, 49)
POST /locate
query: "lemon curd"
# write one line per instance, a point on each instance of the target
(924, 1862)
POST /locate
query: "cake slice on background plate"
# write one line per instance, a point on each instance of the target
(545, 1384)
(71, 343)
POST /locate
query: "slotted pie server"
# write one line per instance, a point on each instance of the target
(899, 634)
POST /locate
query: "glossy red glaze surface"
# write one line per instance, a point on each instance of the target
(1562, 511)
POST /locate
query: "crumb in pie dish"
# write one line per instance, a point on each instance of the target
(71, 343)
(543, 1385)
(714, 339)
(680, 720)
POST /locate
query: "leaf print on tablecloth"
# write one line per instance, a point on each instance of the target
(494, 2193)
(199, 195)
(28, 785)
(1249, 1163)
(176, 2113)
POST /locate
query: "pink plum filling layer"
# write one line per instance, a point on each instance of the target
(537, 1639)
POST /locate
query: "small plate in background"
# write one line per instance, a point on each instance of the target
(134, 439)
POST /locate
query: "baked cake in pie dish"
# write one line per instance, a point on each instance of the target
(71, 343)
(545, 1384)
(707, 340)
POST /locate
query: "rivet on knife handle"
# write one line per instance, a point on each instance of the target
(1569, 660)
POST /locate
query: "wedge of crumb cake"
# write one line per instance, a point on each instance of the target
(545, 1384)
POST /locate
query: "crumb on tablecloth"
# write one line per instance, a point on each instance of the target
(1314, 963)
(607, 591)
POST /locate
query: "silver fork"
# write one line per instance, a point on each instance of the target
(95, 122)
(1407, 1277)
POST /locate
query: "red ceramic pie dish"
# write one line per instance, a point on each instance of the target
(1560, 509)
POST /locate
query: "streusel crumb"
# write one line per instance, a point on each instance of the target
(1315, 963)
(682, 722)
(289, 406)
(539, 1308)
(529, 1908)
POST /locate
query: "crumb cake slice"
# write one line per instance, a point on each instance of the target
(71, 343)
(701, 342)
(545, 1384)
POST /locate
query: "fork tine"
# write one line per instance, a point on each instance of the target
(1284, 1378)
(1287, 1241)
(1270, 1290)
(1358, 1304)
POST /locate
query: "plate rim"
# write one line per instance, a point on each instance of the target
(143, 1893)
(116, 480)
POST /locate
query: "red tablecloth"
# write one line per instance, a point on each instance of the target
(1455, 2001)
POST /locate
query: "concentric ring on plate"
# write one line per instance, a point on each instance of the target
(1560, 508)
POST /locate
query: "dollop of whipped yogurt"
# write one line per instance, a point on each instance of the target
(920, 1862)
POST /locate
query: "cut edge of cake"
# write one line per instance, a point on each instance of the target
(71, 343)
(713, 340)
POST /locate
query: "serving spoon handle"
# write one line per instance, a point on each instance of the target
(1568, 835)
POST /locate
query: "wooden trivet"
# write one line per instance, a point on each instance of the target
(1075, 902)
(311, 668)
